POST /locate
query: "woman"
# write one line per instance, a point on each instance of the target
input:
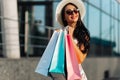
(69, 14)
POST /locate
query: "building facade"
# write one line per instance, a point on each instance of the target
(36, 19)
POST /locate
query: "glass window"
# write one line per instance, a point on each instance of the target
(39, 16)
(115, 9)
(115, 35)
(39, 13)
(94, 21)
(119, 13)
(55, 24)
(106, 5)
(86, 15)
(118, 37)
(106, 27)
(95, 2)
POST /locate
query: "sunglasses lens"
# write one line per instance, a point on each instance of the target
(70, 12)
(75, 11)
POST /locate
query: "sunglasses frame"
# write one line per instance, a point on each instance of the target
(70, 12)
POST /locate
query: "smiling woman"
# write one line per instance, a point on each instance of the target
(69, 15)
(71, 52)
(75, 25)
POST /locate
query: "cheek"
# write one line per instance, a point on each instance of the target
(77, 17)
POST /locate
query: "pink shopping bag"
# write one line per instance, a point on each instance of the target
(71, 60)
(82, 73)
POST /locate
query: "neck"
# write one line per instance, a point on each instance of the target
(73, 25)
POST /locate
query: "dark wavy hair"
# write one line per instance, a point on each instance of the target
(80, 33)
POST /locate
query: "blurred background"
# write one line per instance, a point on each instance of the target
(27, 25)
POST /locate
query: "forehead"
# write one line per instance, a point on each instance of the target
(70, 6)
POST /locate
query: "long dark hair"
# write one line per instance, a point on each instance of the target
(80, 33)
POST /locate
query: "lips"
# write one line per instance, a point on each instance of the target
(73, 17)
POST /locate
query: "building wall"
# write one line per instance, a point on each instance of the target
(24, 68)
(102, 19)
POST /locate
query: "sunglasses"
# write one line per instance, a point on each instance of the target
(70, 12)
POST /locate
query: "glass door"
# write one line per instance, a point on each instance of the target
(34, 17)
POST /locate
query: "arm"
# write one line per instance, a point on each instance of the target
(80, 56)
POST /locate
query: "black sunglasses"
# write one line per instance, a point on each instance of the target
(70, 12)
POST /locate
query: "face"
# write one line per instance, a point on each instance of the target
(71, 14)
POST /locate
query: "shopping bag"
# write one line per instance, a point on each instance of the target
(71, 60)
(82, 73)
(57, 63)
(44, 63)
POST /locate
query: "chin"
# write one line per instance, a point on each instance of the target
(73, 21)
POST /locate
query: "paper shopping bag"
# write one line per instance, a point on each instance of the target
(82, 73)
(72, 63)
(57, 64)
(44, 63)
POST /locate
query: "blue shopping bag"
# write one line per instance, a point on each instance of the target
(44, 63)
(57, 64)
